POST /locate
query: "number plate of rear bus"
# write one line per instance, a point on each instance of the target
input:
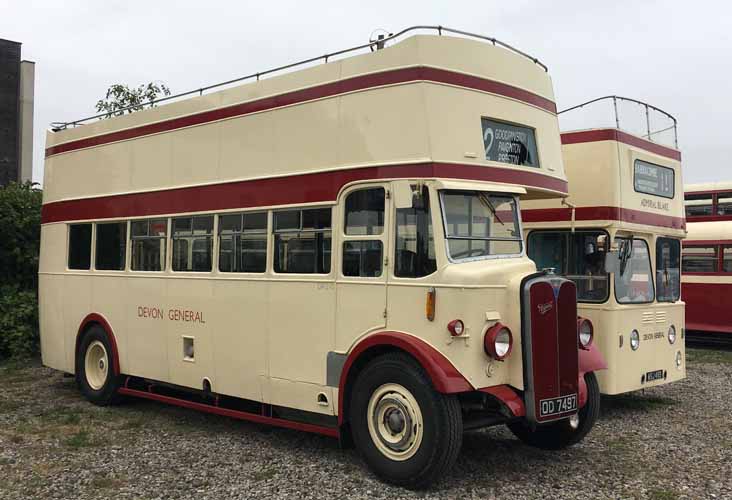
(655, 375)
(557, 406)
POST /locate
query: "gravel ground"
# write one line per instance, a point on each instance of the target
(665, 443)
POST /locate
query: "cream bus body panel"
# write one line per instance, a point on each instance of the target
(601, 174)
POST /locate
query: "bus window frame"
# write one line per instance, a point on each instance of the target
(446, 237)
(273, 232)
(344, 238)
(610, 282)
(650, 268)
(659, 239)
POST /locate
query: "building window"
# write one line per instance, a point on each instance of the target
(415, 244)
(149, 238)
(111, 246)
(243, 243)
(193, 243)
(302, 241)
(699, 260)
(80, 236)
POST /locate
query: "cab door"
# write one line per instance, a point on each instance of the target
(362, 262)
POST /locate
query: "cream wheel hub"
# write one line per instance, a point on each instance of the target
(96, 365)
(395, 422)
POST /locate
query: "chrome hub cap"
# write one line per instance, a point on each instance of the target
(395, 421)
(96, 365)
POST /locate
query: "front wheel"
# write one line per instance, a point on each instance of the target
(94, 371)
(568, 431)
(408, 433)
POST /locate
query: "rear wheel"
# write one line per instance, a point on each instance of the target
(94, 371)
(407, 433)
(568, 431)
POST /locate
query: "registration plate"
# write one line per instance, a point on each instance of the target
(556, 406)
(655, 375)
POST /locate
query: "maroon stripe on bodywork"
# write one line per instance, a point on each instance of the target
(544, 352)
(567, 338)
(320, 187)
(602, 213)
(356, 83)
(611, 134)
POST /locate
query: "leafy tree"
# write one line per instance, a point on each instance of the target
(20, 227)
(119, 97)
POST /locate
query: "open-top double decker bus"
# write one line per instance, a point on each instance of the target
(707, 261)
(337, 249)
(625, 206)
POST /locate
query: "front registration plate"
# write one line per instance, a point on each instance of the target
(655, 375)
(556, 406)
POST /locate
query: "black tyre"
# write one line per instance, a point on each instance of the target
(562, 434)
(408, 433)
(94, 371)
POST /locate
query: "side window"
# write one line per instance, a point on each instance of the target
(724, 204)
(302, 241)
(415, 244)
(111, 246)
(243, 243)
(698, 204)
(727, 259)
(699, 260)
(80, 246)
(148, 244)
(192, 243)
(364, 216)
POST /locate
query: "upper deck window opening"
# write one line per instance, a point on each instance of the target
(724, 204)
(668, 269)
(193, 243)
(302, 241)
(415, 244)
(149, 240)
(727, 259)
(579, 256)
(243, 243)
(653, 179)
(698, 204)
(479, 224)
(111, 246)
(80, 237)
(634, 281)
(700, 259)
(508, 143)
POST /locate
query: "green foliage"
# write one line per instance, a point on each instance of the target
(20, 227)
(119, 97)
(18, 322)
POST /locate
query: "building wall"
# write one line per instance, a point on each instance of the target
(9, 108)
(25, 119)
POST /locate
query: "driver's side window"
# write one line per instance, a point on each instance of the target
(415, 244)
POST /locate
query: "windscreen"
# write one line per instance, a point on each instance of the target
(479, 224)
(634, 281)
(579, 256)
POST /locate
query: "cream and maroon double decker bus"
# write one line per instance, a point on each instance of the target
(707, 261)
(336, 249)
(617, 235)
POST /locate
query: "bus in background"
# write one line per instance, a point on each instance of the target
(707, 261)
(617, 236)
(336, 249)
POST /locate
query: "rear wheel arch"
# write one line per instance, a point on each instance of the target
(89, 321)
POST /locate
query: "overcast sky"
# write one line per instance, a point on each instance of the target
(673, 54)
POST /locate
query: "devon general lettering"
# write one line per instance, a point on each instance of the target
(172, 314)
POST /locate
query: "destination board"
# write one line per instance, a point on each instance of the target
(508, 143)
(653, 179)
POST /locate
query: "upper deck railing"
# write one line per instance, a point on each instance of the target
(629, 115)
(372, 45)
